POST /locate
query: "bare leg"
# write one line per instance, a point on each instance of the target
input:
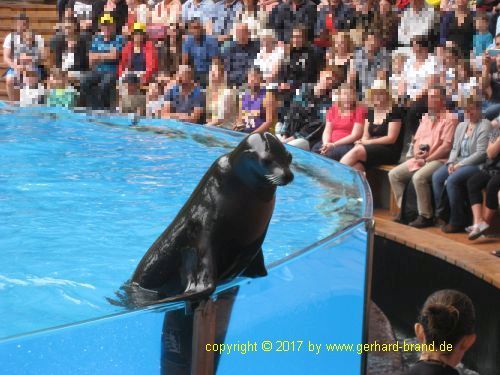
(12, 93)
(477, 213)
(488, 215)
(354, 156)
(360, 167)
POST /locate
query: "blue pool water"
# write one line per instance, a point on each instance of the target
(83, 197)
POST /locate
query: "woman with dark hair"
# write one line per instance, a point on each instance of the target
(139, 55)
(458, 26)
(447, 318)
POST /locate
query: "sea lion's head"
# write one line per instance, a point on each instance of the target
(262, 159)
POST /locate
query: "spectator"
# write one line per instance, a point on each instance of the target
(482, 39)
(221, 101)
(372, 61)
(344, 125)
(418, 20)
(239, 55)
(167, 13)
(420, 72)
(59, 92)
(220, 15)
(343, 53)
(32, 92)
(12, 46)
(118, 9)
(169, 55)
(305, 118)
(365, 18)
(254, 17)
(381, 142)
(154, 100)
(491, 84)
(431, 148)
(97, 86)
(334, 16)
(87, 12)
(70, 49)
(397, 77)
(292, 13)
(389, 21)
(139, 55)
(447, 316)
(185, 100)
(270, 58)
(489, 179)
(132, 100)
(257, 106)
(458, 26)
(198, 49)
(468, 152)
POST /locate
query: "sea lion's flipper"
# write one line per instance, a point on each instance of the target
(257, 267)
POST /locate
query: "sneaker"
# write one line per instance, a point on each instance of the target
(422, 222)
(478, 230)
(449, 228)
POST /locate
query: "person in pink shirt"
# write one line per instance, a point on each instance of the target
(431, 147)
(344, 125)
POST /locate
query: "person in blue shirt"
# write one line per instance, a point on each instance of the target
(198, 49)
(185, 101)
(97, 86)
(482, 39)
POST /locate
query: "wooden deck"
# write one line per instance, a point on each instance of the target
(473, 256)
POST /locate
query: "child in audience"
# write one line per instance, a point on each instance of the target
(398, 63)
(60, 93)
(131, 98)
(154, 100)
(32, 91)
(482, 39)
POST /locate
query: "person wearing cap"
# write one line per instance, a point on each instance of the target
(139, 55)
(184, 101)
(132, 100)
(198, 49)
(382, 140)
(13, 44)
(98, 85)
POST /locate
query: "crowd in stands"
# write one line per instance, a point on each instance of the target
(364, 82)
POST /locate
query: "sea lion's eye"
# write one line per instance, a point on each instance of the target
(266, 162)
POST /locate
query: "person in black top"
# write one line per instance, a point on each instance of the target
(458, 27)
(291, 13)
(382, 137)
(447, 317)
(67, 44)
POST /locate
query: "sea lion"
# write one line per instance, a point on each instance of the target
(218, 233)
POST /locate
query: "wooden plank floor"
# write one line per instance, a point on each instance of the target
(473, 256)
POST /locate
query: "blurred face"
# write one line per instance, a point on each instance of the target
(298, 39)
(347, 97)
(497, 42)
(138, 37)
(21, 25)
(371, 43)
(340, 43)
(384, 7)
(326, 80)
(334, 3)
(107, 29)
(153, 90)
(268, 43)
(462, 3)
(398, 64)
(185, 75)
(216, 73)
(473, 112)
(31, 80)
(69, 28)
(380, 98)
(417, 4)
(418, 49)
(57, 81)
(25, 61)
(481, 25)
(435, 100)
(242, 35)
(254, 80)
(132, 88)
(195, 29)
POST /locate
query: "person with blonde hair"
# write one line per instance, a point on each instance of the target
(382, 141)
(221, 101)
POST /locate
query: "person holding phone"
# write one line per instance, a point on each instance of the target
(432, 146)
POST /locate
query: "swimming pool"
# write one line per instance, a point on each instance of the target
(82, 197)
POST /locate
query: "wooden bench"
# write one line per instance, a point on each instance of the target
(381, 188)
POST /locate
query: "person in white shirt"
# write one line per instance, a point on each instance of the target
(270, 56)
(417, 20)
(32, 91)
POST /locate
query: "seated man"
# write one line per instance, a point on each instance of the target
(185, 100)
(431, 148)
(98, 85)
(305, 119)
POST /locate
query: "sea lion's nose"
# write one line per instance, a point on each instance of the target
(288, 177)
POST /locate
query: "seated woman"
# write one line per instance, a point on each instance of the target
(258, 111)
(221, 101)
(60, 93)
(488, 178)
(139, 55)
(468, 152)
(382, 137)
(270, 57)
(447, 317)
(344, 125)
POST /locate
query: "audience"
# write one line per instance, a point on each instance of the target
(431, 148)
(305, 69)
(447, 317)
(468, 152)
